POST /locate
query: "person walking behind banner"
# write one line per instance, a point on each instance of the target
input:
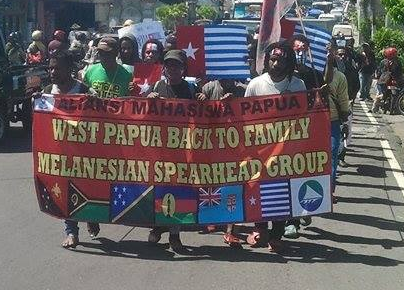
(346, 65)
(223, 90)
(339, 111)
(279, 65)
(173, 86)
(366, 71)
(313, 79)
(62, 82)
(59, 42)
(153, 51)
(108, 78)
(129, 52)
(36, 52)
(14, 52)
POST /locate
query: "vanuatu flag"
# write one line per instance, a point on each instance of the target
(175, 205)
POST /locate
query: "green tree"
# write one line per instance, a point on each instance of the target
(172, 15)
(206, 12)
(395, 8)
(386, 37)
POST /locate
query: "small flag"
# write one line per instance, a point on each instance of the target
(267, 200)
(317, 101)
(215, 51)
(221, 205)
(131, 203)
(146, 75)
(45, 200)
(175, 205)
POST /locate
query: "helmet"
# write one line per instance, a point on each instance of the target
(37, 35)
(390, 52)
(14, 36)
(59, 35)
(128, 22)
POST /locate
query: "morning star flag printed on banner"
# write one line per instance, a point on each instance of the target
(215, 51)
(318, 38)
(153, 162)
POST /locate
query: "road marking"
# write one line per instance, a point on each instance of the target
(388, 152)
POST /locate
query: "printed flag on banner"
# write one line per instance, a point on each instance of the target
(146, 75)
(312, 195)
(180, 209)
(82, 208)
(318, 38)
(270, 27)
(221, 204)
(45, 199)
(267, 200)
(131, 203)
(215, 51)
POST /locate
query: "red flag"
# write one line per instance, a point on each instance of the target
(270, 27)
(193, 45)
(146, 75)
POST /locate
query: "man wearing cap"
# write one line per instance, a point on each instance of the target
(108, 78)
(174, 85)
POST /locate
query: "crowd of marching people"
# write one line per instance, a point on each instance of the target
(104, 66)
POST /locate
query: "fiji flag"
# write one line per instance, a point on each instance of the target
(318, 38)
(175, 205)
(221, 205)
(215, 51)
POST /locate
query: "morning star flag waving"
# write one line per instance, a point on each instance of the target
(215, 51)
(318, 38)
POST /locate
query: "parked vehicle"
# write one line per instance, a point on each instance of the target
(393, 100)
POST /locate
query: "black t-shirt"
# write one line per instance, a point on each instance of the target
(309, 76)
(183, 90)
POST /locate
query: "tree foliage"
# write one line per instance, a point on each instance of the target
(206, 12)
(386, 37)
(395, 8)
(171, 15)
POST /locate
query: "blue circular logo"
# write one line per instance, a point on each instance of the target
(311, 195)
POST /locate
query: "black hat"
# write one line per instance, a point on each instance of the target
(177, 55)
(108, 44)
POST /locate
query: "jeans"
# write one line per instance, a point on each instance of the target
(365, 84)
(71, 227)
(335, 142)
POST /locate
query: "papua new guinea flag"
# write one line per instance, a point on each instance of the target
(131, 204)
(221, 204)
(45, 200)
(83, 209)
(175, 205)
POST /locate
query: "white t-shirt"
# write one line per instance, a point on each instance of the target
(263, 85)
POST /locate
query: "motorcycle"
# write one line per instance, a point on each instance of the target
(393, 99)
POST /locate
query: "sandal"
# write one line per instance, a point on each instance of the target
(257, 239)
(275, 246)
(93, 229)
(231, 240)
(71, 241)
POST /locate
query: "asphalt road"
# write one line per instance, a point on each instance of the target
(358, 246)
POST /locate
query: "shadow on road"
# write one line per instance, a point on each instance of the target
(296, 251)
(16, 141)
(372, 186)
(369, 200)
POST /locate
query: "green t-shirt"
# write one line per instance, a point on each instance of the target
(108, 85)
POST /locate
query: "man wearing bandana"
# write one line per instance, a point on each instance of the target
(278, 78)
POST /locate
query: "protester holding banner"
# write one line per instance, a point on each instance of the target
(60, 69)
(153, 51)
(173, 86)
(108, 78)
(279, 64)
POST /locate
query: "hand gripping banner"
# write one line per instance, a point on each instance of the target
(163, 162)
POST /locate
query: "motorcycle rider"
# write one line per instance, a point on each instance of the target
(15, 53)
(389, 71)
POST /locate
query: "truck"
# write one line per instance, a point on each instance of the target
(248, 13)
(17, 83)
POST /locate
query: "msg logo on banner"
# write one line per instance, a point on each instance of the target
(311, 195)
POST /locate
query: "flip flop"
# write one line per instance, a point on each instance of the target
(231, 240)
(71, 241)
